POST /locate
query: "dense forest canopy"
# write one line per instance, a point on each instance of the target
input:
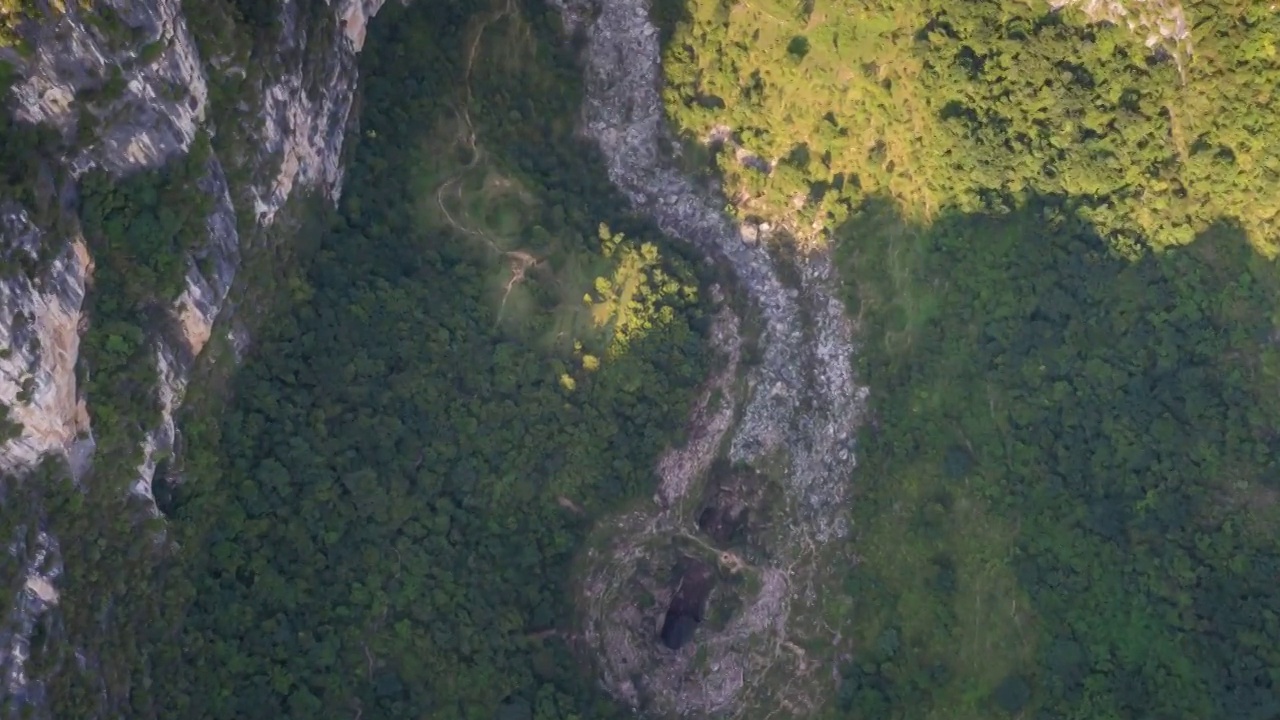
(1068, 497)
(479, 352)
(1067, 500)
(974, 105)
(403, 478)
(1054, 239)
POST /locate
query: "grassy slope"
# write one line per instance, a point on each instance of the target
(936, 560)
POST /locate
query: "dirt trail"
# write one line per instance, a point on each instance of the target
(520, 262)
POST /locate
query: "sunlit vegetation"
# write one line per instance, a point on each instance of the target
(12, 14)
(973, 106)
(640, 297)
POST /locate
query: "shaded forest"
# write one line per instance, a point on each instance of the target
(402, 478)
(1067, 498)
(478, 351)
(1054, 241)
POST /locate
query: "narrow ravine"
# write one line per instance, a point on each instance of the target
(795, 419)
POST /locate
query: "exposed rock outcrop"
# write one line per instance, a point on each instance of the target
(201, 301)
(130, 93)
(302, 130)
(354, 16)
(1160, 23)
(135, 83)
(798, 416)
(196, 311)
(40, 320)
(125, 85)
(807, 338)
(37, 553)
(306, 108)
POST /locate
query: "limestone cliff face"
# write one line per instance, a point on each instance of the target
(39, 325)
(355, 15)
(125, 85)
(302, 128)
(149, 48)
(152, 115)
(157, 106)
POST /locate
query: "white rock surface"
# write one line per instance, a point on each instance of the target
(41, 566)
(172, 385)
(1160, 23)
(306, 111)
(200, 302)
(163, 101)
(39, 325)
(354, 16)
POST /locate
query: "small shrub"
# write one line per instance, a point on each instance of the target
(1013, 694)
(798, 48)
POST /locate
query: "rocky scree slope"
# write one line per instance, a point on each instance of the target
(795, 420)
(124, 83)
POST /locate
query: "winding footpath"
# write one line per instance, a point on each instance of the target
(802, 403)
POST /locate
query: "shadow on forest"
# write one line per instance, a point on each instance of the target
(667, 14)
(1068, 455)
(904, 253)
(1064, 444)
(391, 502)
